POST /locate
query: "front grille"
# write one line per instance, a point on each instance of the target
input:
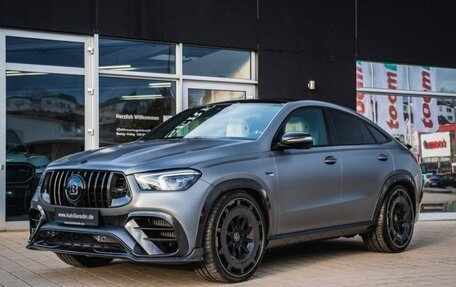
(19, 173)
(160, 232)
(103, 188)
(78, 242)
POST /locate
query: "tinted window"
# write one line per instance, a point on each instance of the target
(367, 136)
(308, 120)
(215, 62)
(137, 56)
(379, 137)
(44, 52)
(349, 129)
(130, 108)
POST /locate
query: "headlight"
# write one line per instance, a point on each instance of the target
(40, 169)
(176, 180)
(42, 188)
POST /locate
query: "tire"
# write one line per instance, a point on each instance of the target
(234, 239)
(84, 261)
(395, 223)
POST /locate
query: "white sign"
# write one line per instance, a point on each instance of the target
(391, 107)
(425, 117)
(363, 79)
(435, 144)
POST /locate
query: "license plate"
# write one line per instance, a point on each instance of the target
(77, 216)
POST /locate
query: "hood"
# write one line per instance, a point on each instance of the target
(142, 156)
(20, 157)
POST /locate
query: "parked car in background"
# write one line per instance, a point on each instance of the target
(426, 178)
(446, 180)
(23, 171)
(216, 185)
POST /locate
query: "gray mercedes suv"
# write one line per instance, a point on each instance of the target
(216, 185)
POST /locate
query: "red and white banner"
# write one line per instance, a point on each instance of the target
(424, 109)
(390, 109)
(363, 79)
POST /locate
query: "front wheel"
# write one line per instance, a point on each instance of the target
(83, 261)
(395, 223)
(234, 239)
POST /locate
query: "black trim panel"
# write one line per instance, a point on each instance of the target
(318, 234)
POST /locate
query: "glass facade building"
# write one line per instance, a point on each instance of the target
(64, 94)
(78, 75)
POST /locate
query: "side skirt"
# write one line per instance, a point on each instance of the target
(318, 234)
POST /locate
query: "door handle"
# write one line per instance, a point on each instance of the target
(382, 157)
(330, 159)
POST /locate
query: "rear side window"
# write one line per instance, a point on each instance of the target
(379, 136)
(350, 130)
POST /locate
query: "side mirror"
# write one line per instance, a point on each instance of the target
(296, 140)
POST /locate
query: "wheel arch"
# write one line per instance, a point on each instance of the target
(404, 178)
(250, 186)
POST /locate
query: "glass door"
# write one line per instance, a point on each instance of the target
(202, 93)
(46, 112)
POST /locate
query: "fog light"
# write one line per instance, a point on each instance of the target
(48, 234)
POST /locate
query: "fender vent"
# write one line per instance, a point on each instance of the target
(160, 232)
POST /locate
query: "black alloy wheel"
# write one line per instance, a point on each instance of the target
(235, 239)
(400, 218)
(395, 223)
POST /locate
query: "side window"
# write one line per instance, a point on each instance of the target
(379, 136)
(307, 120)
(350, 130)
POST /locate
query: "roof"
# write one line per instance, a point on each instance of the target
(265, 101)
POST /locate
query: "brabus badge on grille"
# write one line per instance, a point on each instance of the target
(75, 189)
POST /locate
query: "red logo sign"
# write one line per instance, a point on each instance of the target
(435, 144)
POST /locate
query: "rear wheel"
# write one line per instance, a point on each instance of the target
(395, 223)
(84, 261)
(234, 239)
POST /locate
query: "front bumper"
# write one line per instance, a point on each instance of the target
(123, 232)
(126, 247)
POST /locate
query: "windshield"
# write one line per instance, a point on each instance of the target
(13, 143)
(239, 121)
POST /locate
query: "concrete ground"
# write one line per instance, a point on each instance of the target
(429, 261)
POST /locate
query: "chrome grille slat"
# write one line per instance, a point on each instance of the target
(64, 183)
(88, 188)
(95, 190)
(51, 189)
(102, 187)
(99, 186)
(108, 193)
(59, 186)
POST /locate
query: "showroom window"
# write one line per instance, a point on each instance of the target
(416, 104)
(140, 56)
(44, 104)
(215, 62)
(44, 52)
(129, 108)
(142, 83)
(137, 86)
(61, 94)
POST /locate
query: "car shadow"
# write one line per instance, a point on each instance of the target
(276, 259)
